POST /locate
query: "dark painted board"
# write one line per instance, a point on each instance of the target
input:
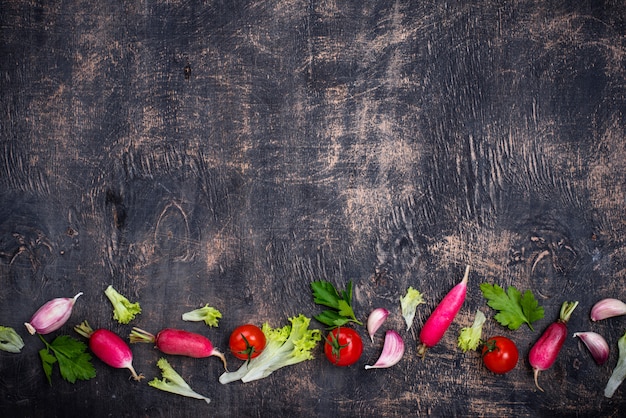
(386, 143)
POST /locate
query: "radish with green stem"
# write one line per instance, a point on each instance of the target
(545, 351)
(178, 342)
(438, 322)
(109, 348)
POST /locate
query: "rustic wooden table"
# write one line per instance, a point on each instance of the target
(231, 152)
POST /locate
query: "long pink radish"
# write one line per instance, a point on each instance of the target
(438, 322)
(178, 342)
(109, 348)
(545, 351)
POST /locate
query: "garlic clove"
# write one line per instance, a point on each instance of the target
(51, 316)
(596, 344)
(375, 320)
(393, 350)
(607, 308)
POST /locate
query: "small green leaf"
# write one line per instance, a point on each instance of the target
(47, 361)
(324, 293)
(514, 309)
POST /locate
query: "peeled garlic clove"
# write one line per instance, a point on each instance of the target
(393, 350)
(375, 320)
(607, 308)
(596, 344)
(52, 315)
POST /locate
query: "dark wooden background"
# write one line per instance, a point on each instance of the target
(388, 143)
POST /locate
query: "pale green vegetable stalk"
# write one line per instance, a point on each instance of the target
(208, 314)
(123, 310)
(619, 373)
(172, 382)
(469, 337)
(10, 340)
(285, 346)
(409, 304)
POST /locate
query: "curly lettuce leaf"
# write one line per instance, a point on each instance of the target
(470, 337)
(123, 310)
(285, 346)
(409, 303)
(208, 314)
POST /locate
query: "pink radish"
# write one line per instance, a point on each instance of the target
(441, 318)
(545, 351)
(178, 342)
(109, 348)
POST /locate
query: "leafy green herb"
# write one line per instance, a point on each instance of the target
(74, 362)
(515, 308)
(341, 311)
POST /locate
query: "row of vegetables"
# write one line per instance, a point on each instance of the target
(266, 349)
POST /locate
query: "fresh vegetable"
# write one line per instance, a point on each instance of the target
(443, 315)
(376, 318)
(408, 304)
(51, 316)
(343, 346)
(469, 337)
(123, 310)
(393, 350)
(619, 372)
(10, 340)
(208, 314)
(341, 311)
(109, 348)
(545, 351)
(74, 361)
(607, 308)
(515, 308)
(500, 354)
(173, 382)
(178, 342)
(286, 346)
(247, 341)
(596, 344)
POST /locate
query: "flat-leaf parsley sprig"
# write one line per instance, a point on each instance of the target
(341, 311)
(514, 307)
(74, 362)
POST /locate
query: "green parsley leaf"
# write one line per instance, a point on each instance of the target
(72, 357)
(47, 361)
(325, 293)
(514, 309)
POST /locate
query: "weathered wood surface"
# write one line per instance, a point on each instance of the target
(390, 143)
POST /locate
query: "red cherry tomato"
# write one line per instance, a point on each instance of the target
(343, 346)
(247, 342)
(500, 354)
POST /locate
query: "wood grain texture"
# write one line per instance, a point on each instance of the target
(231, 152)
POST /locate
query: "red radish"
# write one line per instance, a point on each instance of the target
(441, 318)
(178, 342)
(545, 351)
(109, 348)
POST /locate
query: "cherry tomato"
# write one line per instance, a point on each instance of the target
(247, 342)
(500, 354)
(343, 346)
